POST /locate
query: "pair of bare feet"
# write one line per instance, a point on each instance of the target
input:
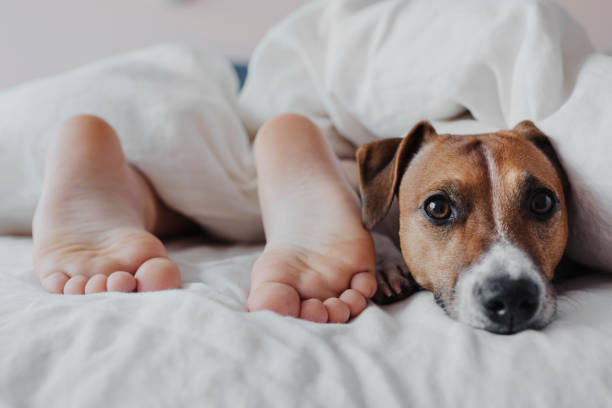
(98, 219)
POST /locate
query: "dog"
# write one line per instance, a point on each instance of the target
(483, 222)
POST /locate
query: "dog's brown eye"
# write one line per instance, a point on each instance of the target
(543, 203)
(438, 207)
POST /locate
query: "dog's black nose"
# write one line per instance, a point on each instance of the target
(509, 303)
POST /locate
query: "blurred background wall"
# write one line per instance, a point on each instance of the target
(43, 37)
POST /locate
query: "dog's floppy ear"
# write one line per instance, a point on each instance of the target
(381, 165)
(528, 130)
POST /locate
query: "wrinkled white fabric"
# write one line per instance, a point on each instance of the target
(368, 69)
(174, 109)
(197, 347)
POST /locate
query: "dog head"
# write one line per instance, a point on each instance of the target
(483, 219)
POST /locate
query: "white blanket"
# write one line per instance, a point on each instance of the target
(174, 109)
(197, 347)
(371, 69)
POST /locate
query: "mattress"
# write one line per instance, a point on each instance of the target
(197, 346)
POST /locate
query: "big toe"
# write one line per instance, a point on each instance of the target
(274, 296)
(158, 274)
(364, 283)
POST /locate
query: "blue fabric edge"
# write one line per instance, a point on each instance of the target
(241, 71)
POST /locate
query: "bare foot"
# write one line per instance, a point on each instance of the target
(318, 263)
(92, 227)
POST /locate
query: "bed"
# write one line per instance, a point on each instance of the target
(197, 346)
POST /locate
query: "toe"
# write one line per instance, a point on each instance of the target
(96, 284)
(158, 274)
(383, 286)
(75, 285)
(55, 282)
(313, 310)
(397, 280)
(354, 300)
(337, 310)
(365, 283)
(121, 282)
(277, 297)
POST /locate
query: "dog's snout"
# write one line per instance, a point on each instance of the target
(509, 303)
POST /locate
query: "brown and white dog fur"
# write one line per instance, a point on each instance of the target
(483, 222)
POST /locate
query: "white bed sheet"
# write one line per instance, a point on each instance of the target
(198, 347)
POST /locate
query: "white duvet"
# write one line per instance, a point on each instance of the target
(367, 69)
(362, 70)
(174, 110)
